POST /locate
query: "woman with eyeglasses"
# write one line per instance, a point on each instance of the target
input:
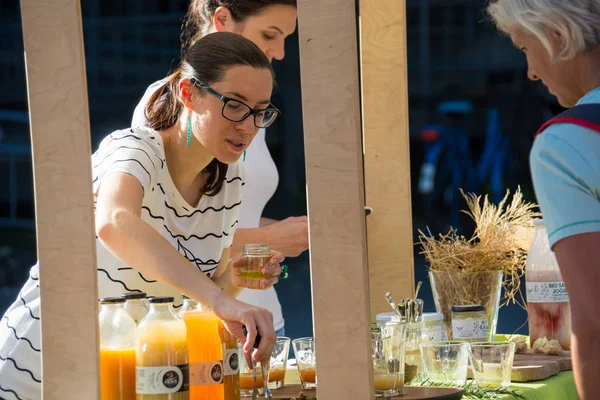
(167, 199)
(267, 23)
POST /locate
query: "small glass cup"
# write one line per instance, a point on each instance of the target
(446, 361)
(388, 343)
(247, 377)
(279, 358)
(492, 363)
(304, 350)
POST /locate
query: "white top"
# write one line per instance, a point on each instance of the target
(199, 233)
(261, 180)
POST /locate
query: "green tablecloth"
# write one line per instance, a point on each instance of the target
(557, 387)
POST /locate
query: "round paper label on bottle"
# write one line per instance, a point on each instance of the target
(162, 380)
(470, 329)
(206, 373)
(546, 292)
(231, 362)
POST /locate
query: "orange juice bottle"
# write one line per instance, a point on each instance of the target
(162, 371)
(206, 354)
(231, 366)
(117, 350)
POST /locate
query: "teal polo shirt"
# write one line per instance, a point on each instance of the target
(565, 167)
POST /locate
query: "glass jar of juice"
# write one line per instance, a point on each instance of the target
(135, 304)
(162, 371)
(256, 257)
(206, 354)
(117, 350)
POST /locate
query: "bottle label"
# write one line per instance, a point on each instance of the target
(206, 373)
(162, 380)
(231, 362)
(470, 329)
(546, 292)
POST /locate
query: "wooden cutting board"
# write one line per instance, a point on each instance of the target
(410, 393)
(534, 367)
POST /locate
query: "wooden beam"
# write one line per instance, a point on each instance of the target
(386, 141)
(60, 138)
(333, 146)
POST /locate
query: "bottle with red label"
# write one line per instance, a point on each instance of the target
(547, 299)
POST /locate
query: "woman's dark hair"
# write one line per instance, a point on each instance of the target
(208, 60)
(198, 19)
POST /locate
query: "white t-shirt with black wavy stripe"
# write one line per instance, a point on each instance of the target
(199, 233)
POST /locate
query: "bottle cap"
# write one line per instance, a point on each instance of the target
(134, 295)
(158, 300)
(112, 300)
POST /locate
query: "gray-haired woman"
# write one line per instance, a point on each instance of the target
(561, 39)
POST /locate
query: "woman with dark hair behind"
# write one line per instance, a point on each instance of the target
(267, 23)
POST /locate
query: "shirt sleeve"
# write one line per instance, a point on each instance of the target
(130, 153)
(567, 181)
(139, 114)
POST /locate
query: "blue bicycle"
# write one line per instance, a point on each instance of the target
(449, 165)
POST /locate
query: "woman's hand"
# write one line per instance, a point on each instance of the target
(236, 314)
(289, 236)
(271, 272)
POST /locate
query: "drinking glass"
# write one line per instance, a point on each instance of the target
(304, 350)
(247, 377)
(446, 361)
(388, 343)
(279, 358)
(492, 363)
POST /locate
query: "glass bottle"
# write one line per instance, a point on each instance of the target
(256, 257)
(548, 308)
(162, 371)
(135, 304)
(206, 353)
(117, 350)
(187, 305)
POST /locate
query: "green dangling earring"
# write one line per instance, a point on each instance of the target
(189, 131)
(244, 156)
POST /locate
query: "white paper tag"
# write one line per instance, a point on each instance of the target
(161, 380)
(206, 373)
(231, 362)
(546, 292)
(470, 329)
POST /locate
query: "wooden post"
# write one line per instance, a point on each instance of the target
(340, 291)
(386, 140)
(60, 140)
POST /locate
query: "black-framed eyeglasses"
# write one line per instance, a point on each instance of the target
(237, 111)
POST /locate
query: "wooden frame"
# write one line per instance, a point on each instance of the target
(387, 159)
(60, 139)
(334, 164)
